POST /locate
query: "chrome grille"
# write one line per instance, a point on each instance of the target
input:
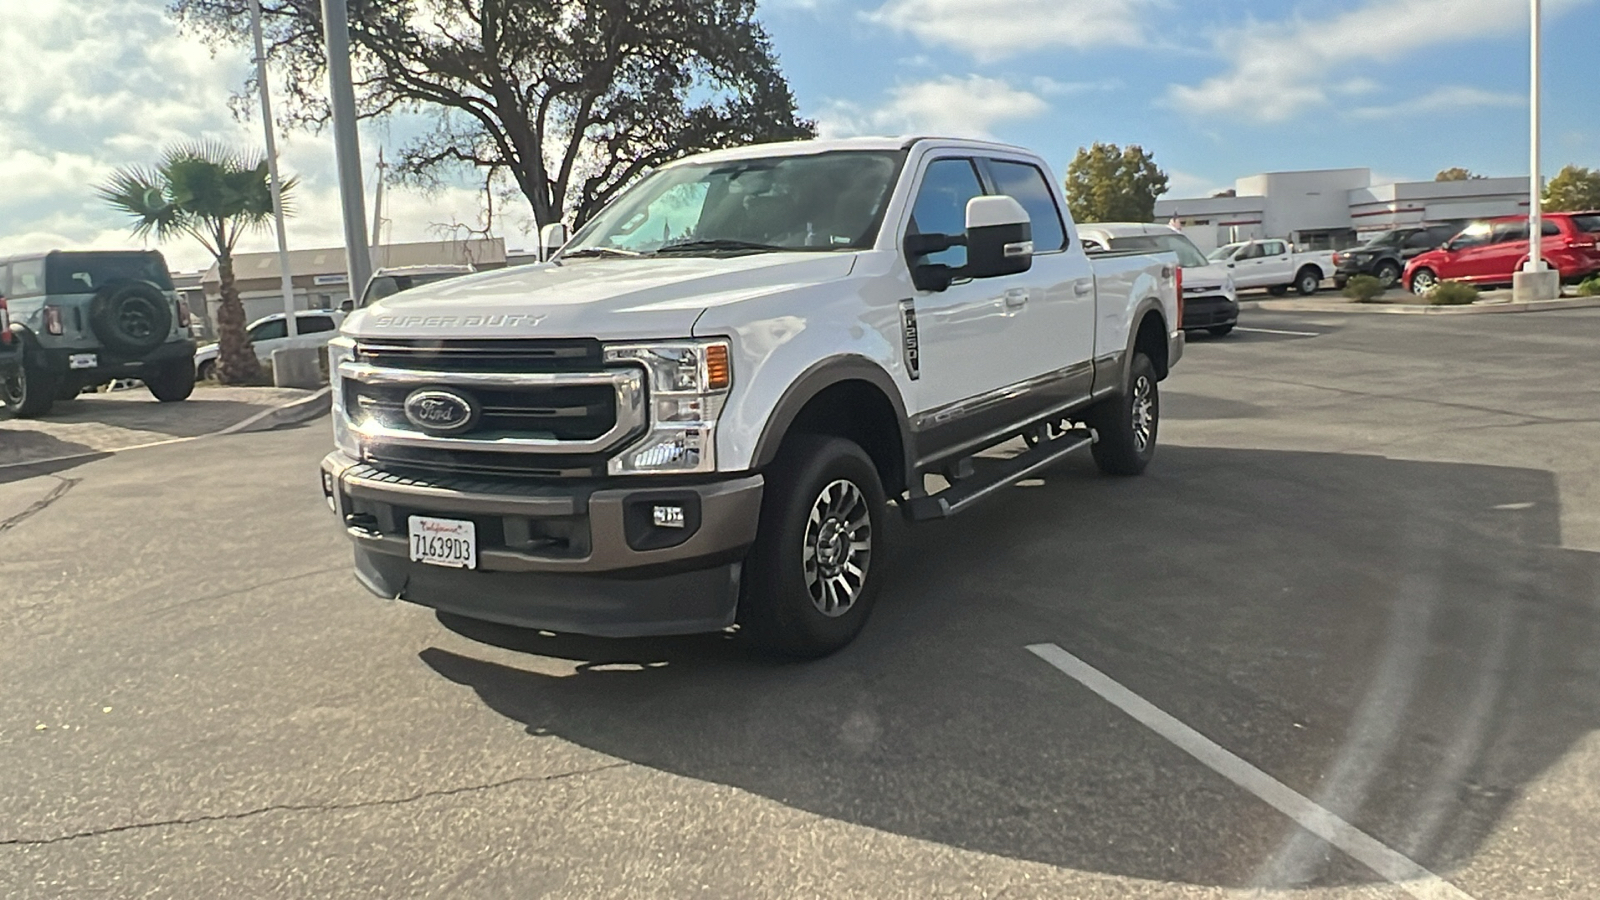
(547, 409)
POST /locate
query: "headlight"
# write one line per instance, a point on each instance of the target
(688, 385)
(341, 350)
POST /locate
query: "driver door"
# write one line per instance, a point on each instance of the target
(969, 335)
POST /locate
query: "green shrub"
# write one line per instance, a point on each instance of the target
(1590, 287)
(1452, 293)
(1363, 289)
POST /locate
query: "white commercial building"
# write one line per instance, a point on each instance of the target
(1328, 209)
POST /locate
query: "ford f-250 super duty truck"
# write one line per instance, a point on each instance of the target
(695, 413)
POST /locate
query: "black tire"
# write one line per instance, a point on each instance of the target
(785, 594)
(1389, 274)
(1127, 424)
(172, 382)
(1221, 330)
(1278, 290)
(29, 390)
(1307, 280)
(133, 317)
(1423, 280)
(206, 371)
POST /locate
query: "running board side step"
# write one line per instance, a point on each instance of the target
(968, 491)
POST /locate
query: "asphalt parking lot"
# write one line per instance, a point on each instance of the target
(1365, 564)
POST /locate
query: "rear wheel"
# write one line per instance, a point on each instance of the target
(813, 575)
(29, 390)
(1126, 424)
(172, 382)
(1308, 281)
(1388, 275)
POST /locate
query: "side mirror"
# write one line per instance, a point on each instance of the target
(999, 238)
(348, 305)
(552, 237)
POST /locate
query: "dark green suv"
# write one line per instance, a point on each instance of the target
(87, 317)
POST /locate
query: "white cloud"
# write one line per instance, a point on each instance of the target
(995, 29)
(1281, 70)
(106, 85)
(1446, 99)
(948, 106)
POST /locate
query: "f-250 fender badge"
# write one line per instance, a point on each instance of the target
(908, 338)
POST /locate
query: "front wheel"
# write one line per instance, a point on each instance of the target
(172, 382)
(29, 390)
(1126, 424)
(1423, 281)
(813, 575)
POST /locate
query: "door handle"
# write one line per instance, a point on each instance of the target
(1083, 287)
(1016, 298)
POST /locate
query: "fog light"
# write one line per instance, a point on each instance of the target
(667, 516)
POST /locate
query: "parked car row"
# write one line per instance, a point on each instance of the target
(73, 320)
(1491, 251)
(1384, 256)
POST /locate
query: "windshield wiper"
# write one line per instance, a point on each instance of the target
(610, 252)
(727, 245)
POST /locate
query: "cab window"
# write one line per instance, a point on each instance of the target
(941, 205)
(314, 324)
(269, 331)
(1027, 185)
(27, 279)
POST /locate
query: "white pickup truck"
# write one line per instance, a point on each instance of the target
(695, 414)
(1274, 265)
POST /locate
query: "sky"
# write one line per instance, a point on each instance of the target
(1215, 89)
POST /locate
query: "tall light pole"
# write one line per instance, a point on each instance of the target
(1535, 201)
(286, 281)
(346, 144)
(1535, 281)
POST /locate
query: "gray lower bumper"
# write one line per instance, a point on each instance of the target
(573, 560)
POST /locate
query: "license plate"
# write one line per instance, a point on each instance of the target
(443, 542)
(82, 361)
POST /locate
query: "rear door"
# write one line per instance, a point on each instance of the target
(1059, 320)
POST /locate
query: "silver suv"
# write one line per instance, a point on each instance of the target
(83, 318)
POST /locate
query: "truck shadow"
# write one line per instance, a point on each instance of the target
(1404, 642)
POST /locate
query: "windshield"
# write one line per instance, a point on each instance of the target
(1189, 256)
(382, 286)
(87, 272)
(1223, 252)
(819, 202)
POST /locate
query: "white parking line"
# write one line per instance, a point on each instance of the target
(1357, 844)
(1276, 331)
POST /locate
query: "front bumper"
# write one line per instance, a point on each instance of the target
(580, 559)
(1209, 311)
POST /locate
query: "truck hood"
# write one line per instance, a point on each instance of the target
(1212, 276)
(610, 299)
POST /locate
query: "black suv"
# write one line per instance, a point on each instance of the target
(1384, 256)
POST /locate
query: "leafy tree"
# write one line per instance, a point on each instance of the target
(1457, 173)
(215, 195)
(572, 99)
(1106, 183)
(1573, 189)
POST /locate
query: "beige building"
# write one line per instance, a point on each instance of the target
(319, 277)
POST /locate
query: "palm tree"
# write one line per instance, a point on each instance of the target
(214, 194)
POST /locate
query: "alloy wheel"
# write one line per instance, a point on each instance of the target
(838, 547)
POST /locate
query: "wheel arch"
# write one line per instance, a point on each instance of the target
(850, 397)
(1148, 335)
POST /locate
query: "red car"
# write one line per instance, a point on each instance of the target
(1488, 251)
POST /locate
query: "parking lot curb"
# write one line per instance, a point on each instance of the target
(1478, 308)
(292, 413)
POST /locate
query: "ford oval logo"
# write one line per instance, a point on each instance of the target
(439, 411)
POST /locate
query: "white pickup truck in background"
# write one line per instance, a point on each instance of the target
(696, 413)
(1274, 265)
